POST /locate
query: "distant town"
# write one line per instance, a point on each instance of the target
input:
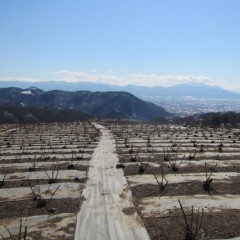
(187, 106)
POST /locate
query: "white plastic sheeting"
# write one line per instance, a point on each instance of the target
(225, 177)
(106, 195)
(66, 190)
(51, 226)
(165, 205)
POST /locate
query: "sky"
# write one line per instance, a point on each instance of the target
(142, 42)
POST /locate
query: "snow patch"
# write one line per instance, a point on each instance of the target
(27, 92)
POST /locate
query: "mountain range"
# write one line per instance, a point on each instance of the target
(97, 104)
(195, 90)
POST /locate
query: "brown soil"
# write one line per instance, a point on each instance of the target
(29, 208)
(45, 140)
(129, 210)
(27, 160)
(190, 188)
(28, 183)
(134, 169)
(60, 166)
(224, 224)
(38, 235)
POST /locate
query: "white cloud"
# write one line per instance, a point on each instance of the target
(136, 79)
(108, 78)
(167, 80)
(230, 86)
(113, 78)
(22, 79)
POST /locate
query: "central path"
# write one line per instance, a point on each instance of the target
(106, 213)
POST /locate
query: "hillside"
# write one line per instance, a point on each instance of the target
(97, 104)
(19, 114)
(211, 119)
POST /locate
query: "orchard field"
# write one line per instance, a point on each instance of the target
(174, 181)
(43, 170)
(185, 181)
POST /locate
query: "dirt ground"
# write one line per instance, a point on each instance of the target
(163, 140)
(222, 225)
(54, 146)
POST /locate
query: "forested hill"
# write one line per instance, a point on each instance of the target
(97, 104)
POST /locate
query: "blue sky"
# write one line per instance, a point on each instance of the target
(154, 42)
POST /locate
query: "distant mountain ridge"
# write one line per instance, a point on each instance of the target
(181, 90)
(97, 104)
